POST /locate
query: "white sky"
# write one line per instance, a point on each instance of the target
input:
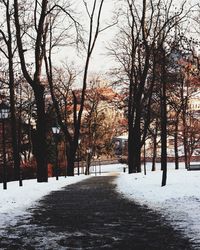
(178, 201)
(100, 60)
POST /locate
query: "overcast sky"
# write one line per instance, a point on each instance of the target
(100, 60)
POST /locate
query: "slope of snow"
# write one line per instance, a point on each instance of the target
(178, 201)
(15, 200)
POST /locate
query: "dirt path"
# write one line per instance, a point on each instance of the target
(91, 215)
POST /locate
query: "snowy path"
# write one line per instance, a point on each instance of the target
(91, 215)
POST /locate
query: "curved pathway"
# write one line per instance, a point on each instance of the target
(91, 215)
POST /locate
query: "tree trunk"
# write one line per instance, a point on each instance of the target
(16, 152)
(184, 102)
(163, 121)
(16, 155)
(164, 153)
(88, 163)
(185, 140)
(176, 145)
(70, 165)
(153, 168)
(41, 154)
(131, 166)
(36, 85)
(137, 146)
(134, 152)
(70, 154)
(137, 159)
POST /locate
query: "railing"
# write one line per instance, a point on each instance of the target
(95, 166)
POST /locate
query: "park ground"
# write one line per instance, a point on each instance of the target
(178, 202)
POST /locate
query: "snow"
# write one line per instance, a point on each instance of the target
(178, 201)
(15, 200)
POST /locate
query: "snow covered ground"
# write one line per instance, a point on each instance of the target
(178, 201)
(15, 200)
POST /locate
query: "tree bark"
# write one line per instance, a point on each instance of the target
(131, 154)
(153, 168)
(41, 154)
(71, 159)
(163, 120)
(137, 146)
(176, 145)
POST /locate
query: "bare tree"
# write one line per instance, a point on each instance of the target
(142, 48)
(72, 135)
(8, 49)
(34, 40)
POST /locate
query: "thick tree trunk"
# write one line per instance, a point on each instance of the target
(40, 147)
(138, 159)
(70, 163)
(131, 153)
(71, 149)
(134, 152)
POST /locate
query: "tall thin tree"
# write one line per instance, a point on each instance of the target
(72, 137)
(7, 38)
